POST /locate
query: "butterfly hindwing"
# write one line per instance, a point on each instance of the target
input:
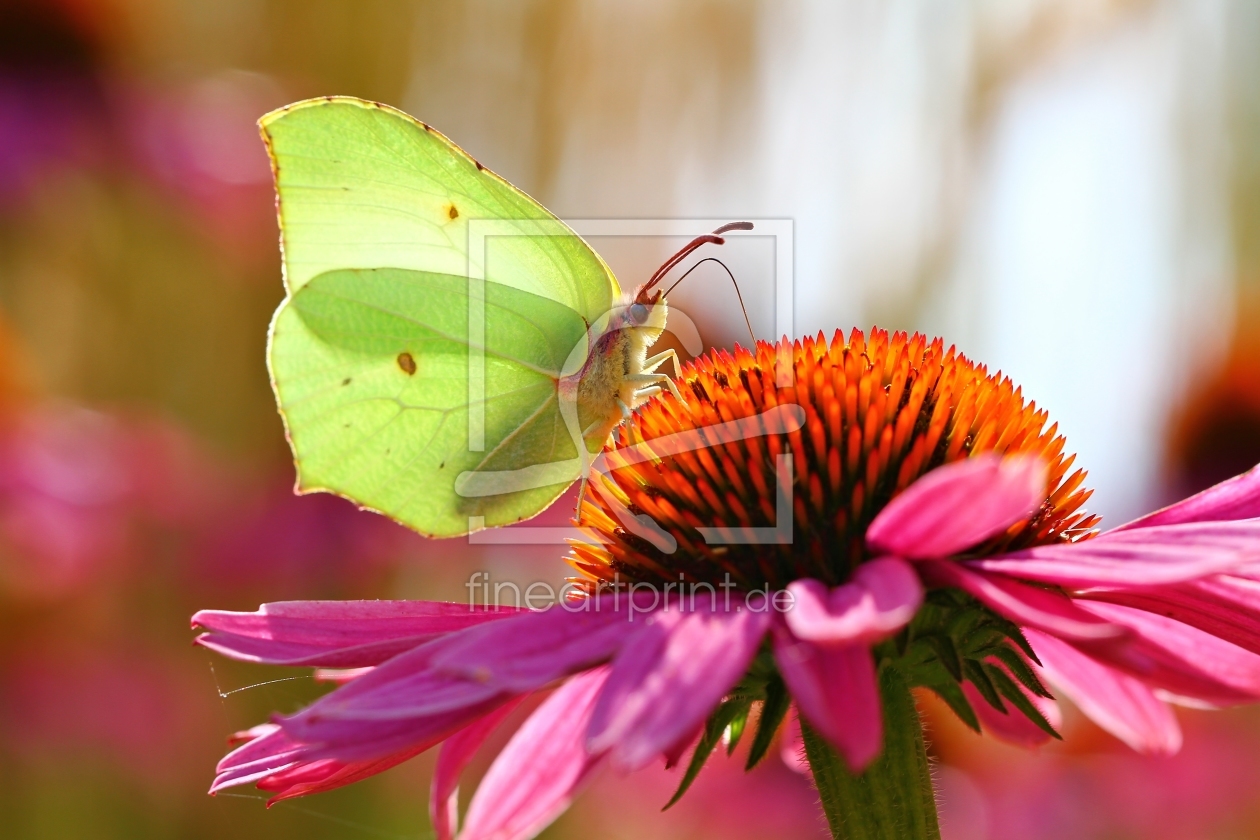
(371, 371)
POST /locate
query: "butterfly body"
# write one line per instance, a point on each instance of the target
(618, 375)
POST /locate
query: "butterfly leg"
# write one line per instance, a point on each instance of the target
(656, 380)
(644, 394)
(651, 363)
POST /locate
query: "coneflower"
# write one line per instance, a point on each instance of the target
(896, 517)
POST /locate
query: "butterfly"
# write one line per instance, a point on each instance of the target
(448, 352)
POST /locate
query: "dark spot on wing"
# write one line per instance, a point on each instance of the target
(407, 363)
(453, 213)
(345, 381)
(442, 465)
(480, 168)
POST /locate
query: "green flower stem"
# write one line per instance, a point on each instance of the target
(892, 799)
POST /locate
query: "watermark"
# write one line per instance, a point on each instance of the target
(513, 237)
(634, 597)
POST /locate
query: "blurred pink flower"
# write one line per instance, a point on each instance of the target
(61, 700)
(1203, 791)
(282, 540)
(1165, 608)
(52, 106)
(74, 483)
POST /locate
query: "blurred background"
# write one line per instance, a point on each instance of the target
(1068, 190)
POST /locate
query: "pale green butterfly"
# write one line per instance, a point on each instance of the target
(445, 342)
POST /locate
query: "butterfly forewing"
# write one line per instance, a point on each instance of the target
(362, 185)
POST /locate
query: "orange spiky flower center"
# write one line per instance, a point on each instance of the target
(879, 412)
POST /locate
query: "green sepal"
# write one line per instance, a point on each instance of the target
(735, 730)
(945, 651)
(773, 710)
(953, 695)
(1008, 689)
(979, 677)
(713, 729)
(1020, 670)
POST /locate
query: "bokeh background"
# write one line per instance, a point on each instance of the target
(1067, 189)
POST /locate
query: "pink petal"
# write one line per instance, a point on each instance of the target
(1180, 659)
(1235, 498)
(328, 774)
(268, 751)
(277, 764)
(541, 769)
(1118, 703)
(530, 651)
(1153, 556)
(1013, 727)
(454, 756)
(670, 679)
(409, 686)
(496, 659)
(882, 597)
(792, 743)
(334, 634)
(349, 740)
(959, 505)
(1225, 606)
(834, 688)
(1026, 605)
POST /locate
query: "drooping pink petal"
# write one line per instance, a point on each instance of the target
(670, 679)
(1235, 498)
(1014, 727)
(266, 751)
(541, 769)
(792, 743)
(454, 756)
(881, 598)
(1225, 606)
(329, 774)
(527, 652)
(277, 763)
(334, 634)
(835, 690)
(675, 752)
(496, 659)
(1026, 605)
(1152, 556)
(407, 687)
(351, 739)
(959, 505)
(1118, 703)
(1180, 659)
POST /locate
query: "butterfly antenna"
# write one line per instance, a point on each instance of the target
(743, 308)
(714, 238)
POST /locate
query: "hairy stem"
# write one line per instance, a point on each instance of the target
(892, 799)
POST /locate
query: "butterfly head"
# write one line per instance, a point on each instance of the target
(644, 311)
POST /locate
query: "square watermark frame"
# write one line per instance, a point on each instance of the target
(481, 230)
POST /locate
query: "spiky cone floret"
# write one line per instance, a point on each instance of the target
(880, 412)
